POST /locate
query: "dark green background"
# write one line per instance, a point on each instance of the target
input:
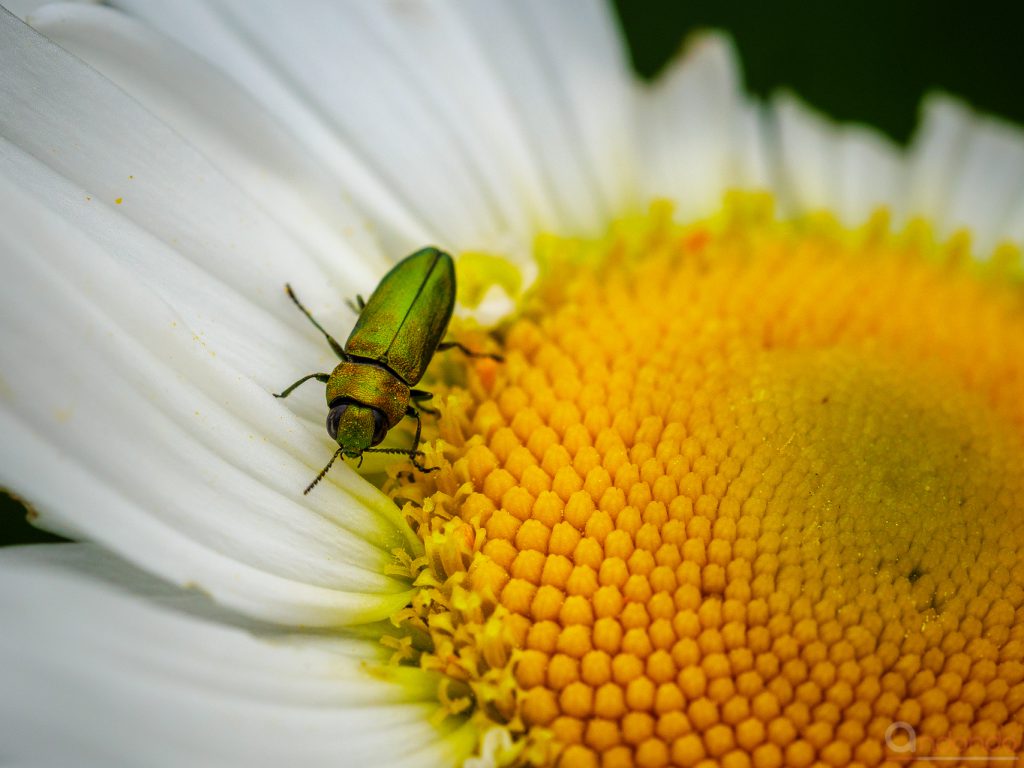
(864, 61)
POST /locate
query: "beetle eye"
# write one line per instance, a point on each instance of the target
(380, 428)
(334, 418)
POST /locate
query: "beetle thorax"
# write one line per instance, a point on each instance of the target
(370, 385)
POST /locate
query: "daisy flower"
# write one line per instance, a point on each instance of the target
(745, 491)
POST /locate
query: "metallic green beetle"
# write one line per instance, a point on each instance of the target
(398, 331)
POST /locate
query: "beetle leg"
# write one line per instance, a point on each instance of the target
(356, 306)
(338, 349)
(414, 452)
(403, 452)
(420, 467)
(321, 377)
(418, 396)
(467, 352)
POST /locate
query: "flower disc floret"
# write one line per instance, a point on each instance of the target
(744, 493)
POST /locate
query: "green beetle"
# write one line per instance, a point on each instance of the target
(398, 331)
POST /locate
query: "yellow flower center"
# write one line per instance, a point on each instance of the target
(744, 493)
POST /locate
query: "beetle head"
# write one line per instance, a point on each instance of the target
(356, 427)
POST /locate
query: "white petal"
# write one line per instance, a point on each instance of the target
(753, 152)
(130, 363)
(458, 92)
(25, 8)
(585, 64)
(804, 143)
(871, 172)
(77, 123)
(123, 428)
(989, 182)
(1015, 222)
(218, 118)
(846, 169)
(104, 666)
(341, 105)
(968, 171)
(212, 32)
(449, 126)
(934, 156)
(694, 135)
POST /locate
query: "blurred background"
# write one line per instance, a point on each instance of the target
(869, 61)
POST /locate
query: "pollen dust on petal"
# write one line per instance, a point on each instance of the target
(742, 494)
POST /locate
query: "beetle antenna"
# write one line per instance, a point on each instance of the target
(323, 473)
